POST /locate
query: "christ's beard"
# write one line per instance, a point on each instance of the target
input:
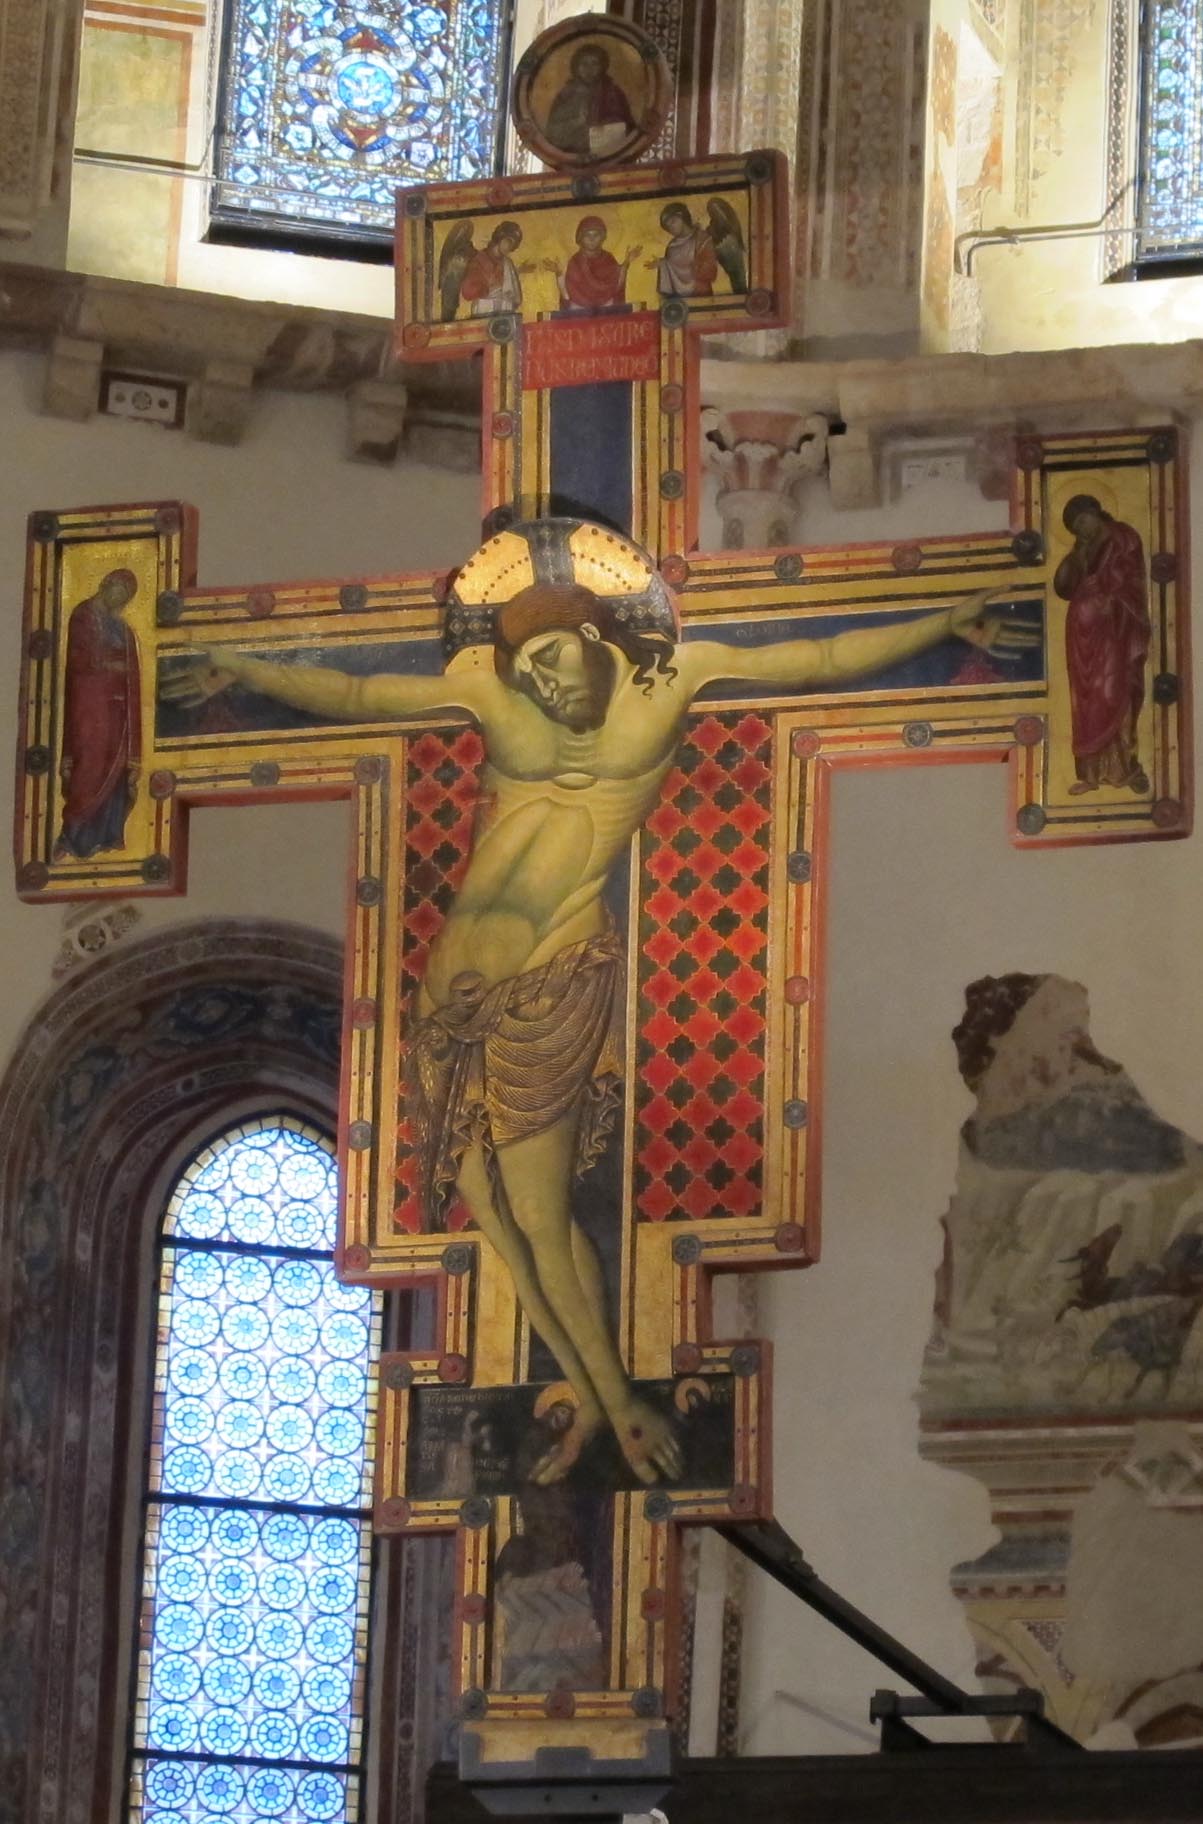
(578, 707)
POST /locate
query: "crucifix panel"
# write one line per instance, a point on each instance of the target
(714, 909)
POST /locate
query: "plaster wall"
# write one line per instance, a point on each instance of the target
(926, 895)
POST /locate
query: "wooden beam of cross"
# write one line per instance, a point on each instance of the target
(564, 1630)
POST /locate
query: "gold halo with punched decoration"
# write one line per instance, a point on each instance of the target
(592, 91)
(1061, 495)
(557, 551)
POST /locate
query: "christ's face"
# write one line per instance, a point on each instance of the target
(568, 673)
(590, 67)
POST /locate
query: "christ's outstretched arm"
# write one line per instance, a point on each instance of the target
(842, 657)
(323, 691)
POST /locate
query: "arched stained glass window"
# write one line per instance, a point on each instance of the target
(252, 1651)
(326, 109)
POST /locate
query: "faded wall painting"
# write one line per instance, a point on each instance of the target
(1065, 1369)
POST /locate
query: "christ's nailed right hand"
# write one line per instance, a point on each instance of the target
(196, 678)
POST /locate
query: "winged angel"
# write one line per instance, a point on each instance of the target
(486, 279)
(728, 241)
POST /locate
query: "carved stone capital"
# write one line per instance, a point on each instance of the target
(375, 420)
(761, 458)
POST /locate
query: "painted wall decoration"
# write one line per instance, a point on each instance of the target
(1065, 1369)
(1074, 1268)
(138, 64)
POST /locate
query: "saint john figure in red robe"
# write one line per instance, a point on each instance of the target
(102, 721)
(1107, 633)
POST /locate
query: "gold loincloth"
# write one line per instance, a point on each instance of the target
(499, 1063)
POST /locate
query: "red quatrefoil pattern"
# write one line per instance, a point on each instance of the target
(704, 878)
(442, 791)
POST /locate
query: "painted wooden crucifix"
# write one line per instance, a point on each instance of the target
(589, 772)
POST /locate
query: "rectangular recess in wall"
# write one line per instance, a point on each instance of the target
(145, 397)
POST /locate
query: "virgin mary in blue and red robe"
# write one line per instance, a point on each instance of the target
(102, 720)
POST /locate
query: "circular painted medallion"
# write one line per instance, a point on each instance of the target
(591, 91)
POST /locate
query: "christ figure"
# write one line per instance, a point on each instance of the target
(590, 116)
(514, 1064)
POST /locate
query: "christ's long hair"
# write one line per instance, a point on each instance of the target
(548, 607)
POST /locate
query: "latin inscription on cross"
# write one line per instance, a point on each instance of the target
(589, 773)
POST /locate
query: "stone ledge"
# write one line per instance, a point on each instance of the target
(206, 340)
(193, 335)
(876, 402)
(943, 393)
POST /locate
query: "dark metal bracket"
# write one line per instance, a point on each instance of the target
(766, 1544)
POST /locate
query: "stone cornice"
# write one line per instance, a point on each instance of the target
(963, 397)
(229, 348)
(950, 392)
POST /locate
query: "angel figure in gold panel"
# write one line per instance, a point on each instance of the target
(514, 1065)
(486, 279)
(727, 237)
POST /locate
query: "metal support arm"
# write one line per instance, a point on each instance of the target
(769, 1546)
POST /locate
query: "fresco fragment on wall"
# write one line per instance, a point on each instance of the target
(994, 12)
(944, 84)
(1073, 1276)
(136, 76)
(937, 256)
(1051, 34)
(1065, 1369)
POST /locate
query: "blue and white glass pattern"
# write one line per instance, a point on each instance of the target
(257, 1574)
(1171, 202)
(327, 108)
